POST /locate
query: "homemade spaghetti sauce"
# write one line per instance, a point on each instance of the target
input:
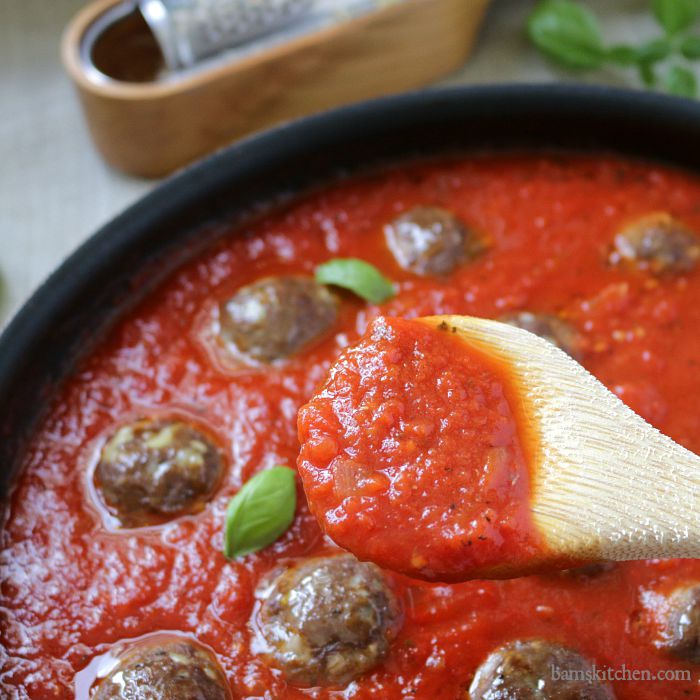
(413, 455)
(113, 533)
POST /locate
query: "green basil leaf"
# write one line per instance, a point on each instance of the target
(358, 276)
(567, 33)
(623, 55)
(676, 15)
(647, 74)
(649, 53)
(682, 82)
(690, 47)
(653, 51)
(260, 512)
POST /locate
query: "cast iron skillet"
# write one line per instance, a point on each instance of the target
(133, 253)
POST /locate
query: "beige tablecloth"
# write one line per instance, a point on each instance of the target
(54, 189)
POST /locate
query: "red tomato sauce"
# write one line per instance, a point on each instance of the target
(412, 455)
(71, 587)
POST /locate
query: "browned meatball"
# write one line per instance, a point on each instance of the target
(549, 327)
(431, 241)
(659, 243)
(151, 470)
(276, 317)
(536, 669)
(171, 669)
(682, 628)
(328, 620)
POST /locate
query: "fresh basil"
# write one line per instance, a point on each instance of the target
(682, 82)
(260, 512)
(358, 276)
(622, 55)
(646, 54)
(654, 51)
(647, 74)
(567, 33)
(690, 47)
(676, 15)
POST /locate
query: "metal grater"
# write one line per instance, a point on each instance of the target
(189, 30)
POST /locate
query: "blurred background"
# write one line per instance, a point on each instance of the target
(55, 190)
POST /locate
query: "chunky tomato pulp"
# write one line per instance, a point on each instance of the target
(72, 586)
(412, 455)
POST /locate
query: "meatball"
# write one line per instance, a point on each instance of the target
(682, 628)
(659, 243)
(174, 669)
(152, 470)
(536, 670)
(276, 317)
(431, 241)
(549, 327)
(328, 620)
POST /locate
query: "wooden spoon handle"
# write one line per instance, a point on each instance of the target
(611, 479)
(605, 483)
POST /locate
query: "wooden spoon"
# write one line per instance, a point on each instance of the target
(606, 485)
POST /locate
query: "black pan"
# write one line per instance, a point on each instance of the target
(133, 253)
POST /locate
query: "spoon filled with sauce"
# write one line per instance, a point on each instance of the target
(450, 448)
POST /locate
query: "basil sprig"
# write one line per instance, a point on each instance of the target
(676, 15)
(260, 512)
(358, 276)
(569, 34)
(680, 81)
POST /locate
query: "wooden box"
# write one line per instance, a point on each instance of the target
(149, 126)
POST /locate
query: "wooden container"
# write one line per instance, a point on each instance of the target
(149, 126)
